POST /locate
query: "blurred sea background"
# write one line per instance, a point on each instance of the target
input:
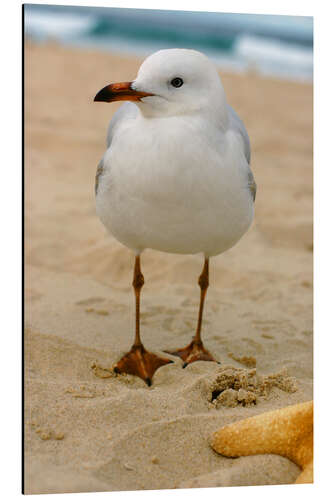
(279, 46)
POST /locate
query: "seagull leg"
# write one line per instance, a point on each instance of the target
(195, 351)
(138, 361)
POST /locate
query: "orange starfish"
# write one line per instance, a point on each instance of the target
(287, 432)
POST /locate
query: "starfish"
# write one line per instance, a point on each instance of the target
(287, 432)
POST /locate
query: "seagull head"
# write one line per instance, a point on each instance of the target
(172, 82)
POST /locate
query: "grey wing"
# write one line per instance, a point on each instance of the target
(126, 111)
(237, 125)
(99, 171)
(252, 184)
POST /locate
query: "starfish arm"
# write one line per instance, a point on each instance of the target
(306, 476)
(287, 432)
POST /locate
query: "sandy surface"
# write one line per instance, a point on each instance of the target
(89, 433)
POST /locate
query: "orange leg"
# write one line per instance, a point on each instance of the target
(195, 351)
(138, 361)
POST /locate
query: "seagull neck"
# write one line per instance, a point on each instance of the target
(216, 114)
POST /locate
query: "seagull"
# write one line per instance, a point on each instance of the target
(175, 177)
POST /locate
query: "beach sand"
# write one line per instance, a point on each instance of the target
(86, 430)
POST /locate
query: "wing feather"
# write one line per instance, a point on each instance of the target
(238, 126)
(126, 111)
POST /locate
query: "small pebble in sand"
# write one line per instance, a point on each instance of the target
(306, 284)
(45, 435)
(155, 460)
(101, 312)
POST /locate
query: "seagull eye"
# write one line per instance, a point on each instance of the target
(177, 82)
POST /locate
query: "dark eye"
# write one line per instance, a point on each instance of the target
(177, 82)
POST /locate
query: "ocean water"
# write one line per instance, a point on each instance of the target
(280, 46)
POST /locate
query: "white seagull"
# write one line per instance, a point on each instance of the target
(175, 176)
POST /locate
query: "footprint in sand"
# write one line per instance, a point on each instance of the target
(109, 306)
(91, 301)
(282, 326)
(252, 343)
(249, 361)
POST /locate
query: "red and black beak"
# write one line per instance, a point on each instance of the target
(120, 92)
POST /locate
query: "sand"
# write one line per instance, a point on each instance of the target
(86, 430)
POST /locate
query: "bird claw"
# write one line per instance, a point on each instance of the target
(141, 363)
(194, 351)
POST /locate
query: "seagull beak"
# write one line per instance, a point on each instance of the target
(120, 92)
